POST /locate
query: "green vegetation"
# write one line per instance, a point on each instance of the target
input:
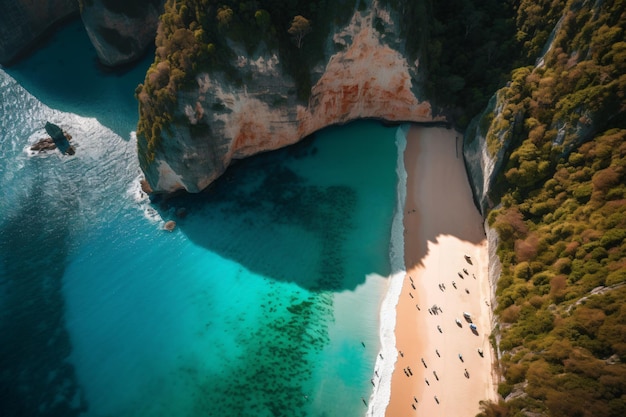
(299, 28)
(575, 93)
(196, 35)
(465, 48)
(562, 193)
(558, 243)
(562, 218)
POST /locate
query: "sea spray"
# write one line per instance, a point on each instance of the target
(389, 354)
(149, 323)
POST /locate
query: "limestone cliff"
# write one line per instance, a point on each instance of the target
(484, 148)
(364, 75)
(574, 91)
(120, 31)
(23, 22)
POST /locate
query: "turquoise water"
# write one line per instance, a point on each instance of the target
(263, 301)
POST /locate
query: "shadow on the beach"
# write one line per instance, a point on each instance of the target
(264, 216)
(446, 207)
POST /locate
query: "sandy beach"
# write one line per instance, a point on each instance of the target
(439, 370)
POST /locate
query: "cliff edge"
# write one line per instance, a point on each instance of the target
(254, 105)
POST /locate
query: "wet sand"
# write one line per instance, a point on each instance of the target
(441, 226)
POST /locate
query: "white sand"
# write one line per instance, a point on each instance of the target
(384, 367)
(441, 225)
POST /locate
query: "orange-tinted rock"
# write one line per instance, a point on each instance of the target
(366, 79)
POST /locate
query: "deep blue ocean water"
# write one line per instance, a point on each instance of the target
(264, 301)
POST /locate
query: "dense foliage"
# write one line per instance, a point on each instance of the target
(557, 245)
(562, 218)
(465, 49)
(470, 51)
(197, 35)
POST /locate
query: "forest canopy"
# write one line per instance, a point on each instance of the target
(561, 220)
(559, 68)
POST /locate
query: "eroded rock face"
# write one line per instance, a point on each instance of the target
(23, 22)
(367, 78)
(483, 150)
(121, 30)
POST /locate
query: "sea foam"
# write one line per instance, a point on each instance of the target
(388, 355)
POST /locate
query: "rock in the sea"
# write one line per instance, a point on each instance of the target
(24, 22)
(145, 187)
(169, 225)
(58, 140)
(61, 141)
(181, 212)
(121, 31)
(43, 145)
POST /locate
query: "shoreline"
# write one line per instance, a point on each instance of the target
(384, 366)
(430, 365)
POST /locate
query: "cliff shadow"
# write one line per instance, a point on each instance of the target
(439, 199)
(265, 216)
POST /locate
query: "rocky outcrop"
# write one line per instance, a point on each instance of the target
(365, 75)
(22, 23)
(58, 139)
(484, 147)
(121, 31)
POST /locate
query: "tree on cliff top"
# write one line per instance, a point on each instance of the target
(300, 27)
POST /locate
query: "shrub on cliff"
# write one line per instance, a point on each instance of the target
(562, 225)
(196, 35)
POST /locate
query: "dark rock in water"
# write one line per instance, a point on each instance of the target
(181, 212)
(58, 139)
(44, 144)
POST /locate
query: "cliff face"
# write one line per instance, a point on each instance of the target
(120, 31)
(364, 76)
(23, 22)
(484, 147)
(574, 91)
